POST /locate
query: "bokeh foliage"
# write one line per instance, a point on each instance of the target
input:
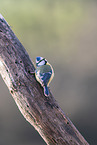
(46, 25)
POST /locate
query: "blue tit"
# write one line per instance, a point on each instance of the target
(44, 73)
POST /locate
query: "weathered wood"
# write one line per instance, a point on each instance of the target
(41, 112)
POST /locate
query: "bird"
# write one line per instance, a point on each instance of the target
(44, 73)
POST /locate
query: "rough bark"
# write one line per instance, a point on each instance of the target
(41, 112)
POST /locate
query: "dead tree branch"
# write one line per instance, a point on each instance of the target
(41, 112)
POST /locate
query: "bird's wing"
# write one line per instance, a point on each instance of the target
(45, 77)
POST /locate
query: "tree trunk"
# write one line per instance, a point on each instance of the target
(41, 112)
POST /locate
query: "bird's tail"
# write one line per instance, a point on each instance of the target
(46, 91)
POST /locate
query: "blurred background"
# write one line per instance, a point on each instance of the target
(65, 32)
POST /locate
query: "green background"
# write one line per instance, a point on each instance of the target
(65, 33)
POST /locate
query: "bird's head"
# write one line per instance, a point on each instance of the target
(40, 61)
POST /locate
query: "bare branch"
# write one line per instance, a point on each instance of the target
(41, 112)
